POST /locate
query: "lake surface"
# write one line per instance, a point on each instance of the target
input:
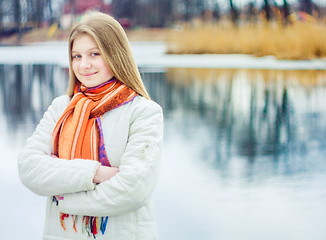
(244, 151)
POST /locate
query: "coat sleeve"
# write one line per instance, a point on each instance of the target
(139, 167)
(46, 175)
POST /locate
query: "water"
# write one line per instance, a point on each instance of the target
(244, 151)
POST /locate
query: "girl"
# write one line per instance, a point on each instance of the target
(96, 152)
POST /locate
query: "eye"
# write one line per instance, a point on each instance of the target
(77, 56)
(93, 54)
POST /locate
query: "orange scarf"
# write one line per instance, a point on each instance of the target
(78, 133)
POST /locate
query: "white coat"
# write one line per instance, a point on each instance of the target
(133, 136)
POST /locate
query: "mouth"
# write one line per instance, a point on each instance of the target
(88, 74)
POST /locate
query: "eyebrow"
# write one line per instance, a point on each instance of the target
(91, 49)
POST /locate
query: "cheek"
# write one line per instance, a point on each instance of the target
(74, 67)
(103, 65)
(107, 69)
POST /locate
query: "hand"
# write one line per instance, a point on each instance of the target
(58, 197)
(104, 173)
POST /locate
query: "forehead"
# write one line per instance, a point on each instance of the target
(83, 42)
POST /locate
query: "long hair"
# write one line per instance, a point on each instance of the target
(112, 41)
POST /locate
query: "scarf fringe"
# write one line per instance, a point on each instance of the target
(91, 225)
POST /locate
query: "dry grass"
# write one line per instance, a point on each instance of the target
(297, 41)
(149, 34)
(39, 35)
(36, 35)
(306, 78)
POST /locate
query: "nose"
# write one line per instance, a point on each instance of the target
(85, 63)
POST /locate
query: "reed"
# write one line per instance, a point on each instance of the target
(189, 76)
(300, 40)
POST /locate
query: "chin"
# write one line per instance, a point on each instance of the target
(91, 84)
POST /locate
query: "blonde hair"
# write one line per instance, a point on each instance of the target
(112, 41)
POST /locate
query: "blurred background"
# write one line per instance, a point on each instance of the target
(242, 84)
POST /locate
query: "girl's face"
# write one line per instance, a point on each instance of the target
(88, 63)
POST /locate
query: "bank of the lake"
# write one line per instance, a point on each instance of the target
(153, 54)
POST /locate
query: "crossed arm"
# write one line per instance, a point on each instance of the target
(87, 187)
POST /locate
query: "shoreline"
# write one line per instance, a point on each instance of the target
(152, 55)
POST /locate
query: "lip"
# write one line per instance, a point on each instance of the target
(88, 74)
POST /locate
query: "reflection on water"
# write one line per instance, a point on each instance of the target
(246, 125)
(27, 90)
(273, 115)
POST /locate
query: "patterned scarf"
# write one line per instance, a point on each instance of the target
(78, 133)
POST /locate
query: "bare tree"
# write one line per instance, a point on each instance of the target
(124, 8)
(51, 18)
(234, 13)
(40, 12)
(187, 9)
(17, 16)
(267, 10)
(251, 14)
(1, 17)
(216, 11)
(286, 11)
(167, 12)
(306, 6)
